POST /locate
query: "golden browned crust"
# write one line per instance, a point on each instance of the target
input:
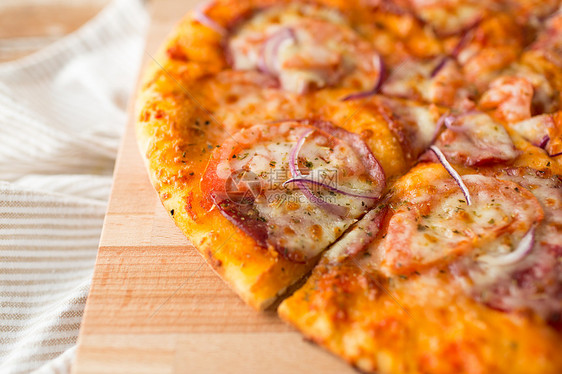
(423, 325)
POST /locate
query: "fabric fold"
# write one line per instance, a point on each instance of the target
(62, 114)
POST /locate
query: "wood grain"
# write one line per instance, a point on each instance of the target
(155, 306)
(29, 25)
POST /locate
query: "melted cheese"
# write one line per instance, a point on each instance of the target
(304, 46)
(535, 128)
(510, 97)
(295, 223)
(413, 80)
(478, 139)
(448, 18)
(535, 281)
(441, 226)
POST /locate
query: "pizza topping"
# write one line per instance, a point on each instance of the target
(269, 56)
(446, 120)
(378, 85)
(448, 18)
(535, 129)
(295, 172)
(510, 98)
(530, 276)
(549, 41)
(306, 47)
(495, 43)
(542, 131)
(371, 164)
(523, 248)
(414, 125)
(443, 160)
(359, 236)
(300, 180)
(475, 139)
(545, 97)
(440, 65)
(251, 179)
(555, 154)
(201, 17)
(435, 226)
(437, 81)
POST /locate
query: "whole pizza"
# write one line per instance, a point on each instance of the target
(385, 173)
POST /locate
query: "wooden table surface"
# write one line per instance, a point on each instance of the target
(29, 25)
(155, 306)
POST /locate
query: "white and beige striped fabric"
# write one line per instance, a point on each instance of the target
(62, 111)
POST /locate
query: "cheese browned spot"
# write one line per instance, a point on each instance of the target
(435, 225)
(246, 179)
(305, 47)
(476, 139)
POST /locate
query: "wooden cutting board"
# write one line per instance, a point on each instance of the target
(155, 306)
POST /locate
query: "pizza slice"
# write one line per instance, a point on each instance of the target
(442, 279)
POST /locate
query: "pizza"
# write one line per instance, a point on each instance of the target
(385, 173)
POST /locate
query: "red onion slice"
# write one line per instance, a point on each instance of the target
(544, 142)
(524, 247)
(270, 49)
(361, 149)
(463, 41)
(202, 18)
(331, 208)
(295, 151)
(446, 120)
(443, 160)
(376, 88)
(439, 66)
(467, 35)
(449, 123)
(328, 187)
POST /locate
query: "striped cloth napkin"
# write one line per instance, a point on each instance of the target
(62, 111)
